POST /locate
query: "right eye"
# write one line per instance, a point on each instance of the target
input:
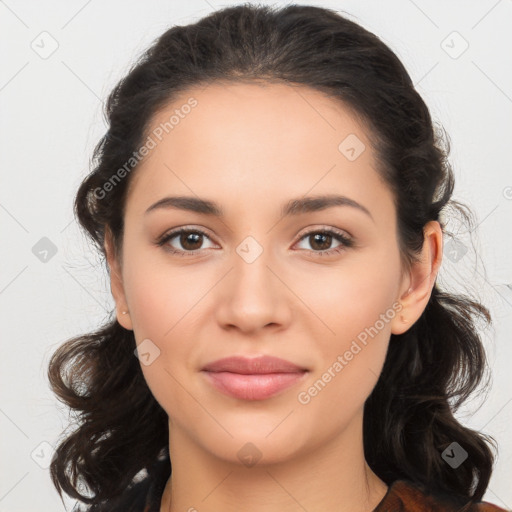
(188, 238)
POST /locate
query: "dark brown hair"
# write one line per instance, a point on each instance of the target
(429, 371)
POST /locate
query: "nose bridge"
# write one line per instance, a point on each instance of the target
(254, 296)
(252, 275)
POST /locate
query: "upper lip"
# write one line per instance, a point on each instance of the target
(254, 365)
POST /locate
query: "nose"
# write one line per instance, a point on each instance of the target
(253, 295)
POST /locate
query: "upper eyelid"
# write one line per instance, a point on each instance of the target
(171, 233)
(321, 228)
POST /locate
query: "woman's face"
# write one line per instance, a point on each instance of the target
(257, 282)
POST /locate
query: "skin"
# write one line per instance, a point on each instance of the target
(252, 147)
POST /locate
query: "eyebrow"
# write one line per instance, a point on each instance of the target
(293, 207)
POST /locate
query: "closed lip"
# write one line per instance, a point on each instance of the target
(253, 366)
(253, 378)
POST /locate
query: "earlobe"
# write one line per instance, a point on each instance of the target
(421, 279)
(116, 282)
(402, 321)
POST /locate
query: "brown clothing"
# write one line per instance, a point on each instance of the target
(402, 496)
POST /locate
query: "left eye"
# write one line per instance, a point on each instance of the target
(322, 239)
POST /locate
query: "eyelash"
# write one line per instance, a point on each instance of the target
(345, 241)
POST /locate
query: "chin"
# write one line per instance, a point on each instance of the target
(253, 441)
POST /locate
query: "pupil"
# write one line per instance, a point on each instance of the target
(186, 237)
(325, 237)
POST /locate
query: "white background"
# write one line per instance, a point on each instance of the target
(51, 118)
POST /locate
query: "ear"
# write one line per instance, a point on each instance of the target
(116, 282)
(417, 287)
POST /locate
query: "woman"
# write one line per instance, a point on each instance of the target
(268, 199)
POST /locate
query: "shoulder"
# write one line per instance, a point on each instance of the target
(406, 496)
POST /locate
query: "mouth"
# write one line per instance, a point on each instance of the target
(253, 378)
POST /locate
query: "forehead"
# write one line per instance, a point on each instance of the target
(272, 112)
(253, 137)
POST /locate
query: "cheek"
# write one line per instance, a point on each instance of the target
(161, 296)
(165, 302)
(356, 304)
(351, 354)
(347, 300)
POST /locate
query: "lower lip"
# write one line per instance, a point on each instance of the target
(253, 386)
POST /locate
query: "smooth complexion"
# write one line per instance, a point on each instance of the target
(251, 148)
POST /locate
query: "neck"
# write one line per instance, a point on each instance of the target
(332, 477)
